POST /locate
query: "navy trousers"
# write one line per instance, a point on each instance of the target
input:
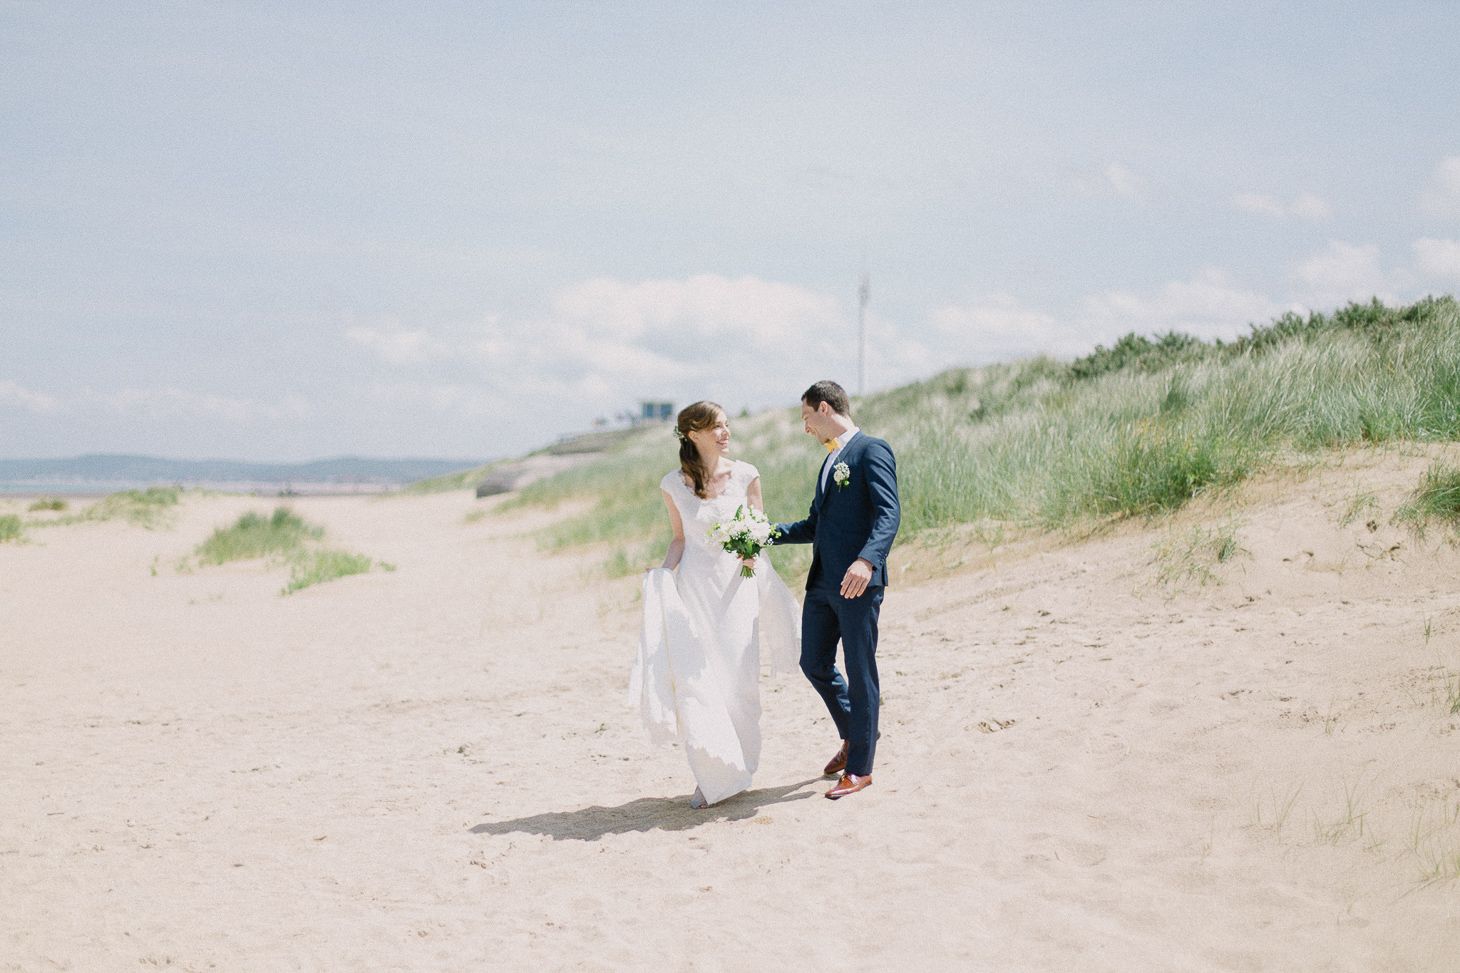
(826, 618)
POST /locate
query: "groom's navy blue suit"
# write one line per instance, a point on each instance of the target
(857, 520)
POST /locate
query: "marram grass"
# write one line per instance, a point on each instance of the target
(11, 528)
(1136, 430)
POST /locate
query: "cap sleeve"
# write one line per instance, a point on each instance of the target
(672, 479)
(746, 472)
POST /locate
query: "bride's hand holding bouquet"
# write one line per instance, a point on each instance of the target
(745, 535)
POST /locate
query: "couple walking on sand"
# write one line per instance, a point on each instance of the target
(696, 677)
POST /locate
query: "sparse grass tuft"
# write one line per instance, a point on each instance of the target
(1362, 502)
(48, 503)
(1433, 839)
(1436, 498)
(145, 508)
(320, 565)
(10, 528)
(1193, 554)
(254, 535)
(1351, 822)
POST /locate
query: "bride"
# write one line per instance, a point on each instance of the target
(696, 675)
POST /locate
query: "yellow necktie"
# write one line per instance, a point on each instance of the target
(831, 446)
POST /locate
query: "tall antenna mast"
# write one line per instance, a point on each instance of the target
(863, 294)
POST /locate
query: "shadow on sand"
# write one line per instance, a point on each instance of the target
(647, 814)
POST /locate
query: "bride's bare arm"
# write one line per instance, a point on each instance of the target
(676, 546)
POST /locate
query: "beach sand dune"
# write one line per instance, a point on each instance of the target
(1118, 754)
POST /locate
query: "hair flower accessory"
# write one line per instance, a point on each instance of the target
(678, 432)
(841, 473)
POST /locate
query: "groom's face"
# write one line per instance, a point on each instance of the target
(818, 421)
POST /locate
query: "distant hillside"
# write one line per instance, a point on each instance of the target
(111, 469)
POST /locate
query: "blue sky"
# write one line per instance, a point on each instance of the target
(281, 231)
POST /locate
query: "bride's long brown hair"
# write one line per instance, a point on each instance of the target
(693, 418)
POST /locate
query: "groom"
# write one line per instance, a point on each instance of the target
(853, 520)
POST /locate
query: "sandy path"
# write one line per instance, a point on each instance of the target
(430, 769)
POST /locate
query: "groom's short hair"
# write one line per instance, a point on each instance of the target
(830, 393)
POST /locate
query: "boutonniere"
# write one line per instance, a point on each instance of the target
(841, 474)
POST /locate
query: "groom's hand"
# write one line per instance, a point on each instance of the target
(857, 576)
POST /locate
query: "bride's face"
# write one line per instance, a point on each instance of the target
(713, 440)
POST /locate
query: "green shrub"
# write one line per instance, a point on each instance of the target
(48, 503)
(10, 528)
(252, 536)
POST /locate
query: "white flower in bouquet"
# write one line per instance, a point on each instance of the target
(745, 535)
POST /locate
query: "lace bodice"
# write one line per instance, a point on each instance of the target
(699, 515)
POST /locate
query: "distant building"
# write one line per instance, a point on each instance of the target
(655, 412)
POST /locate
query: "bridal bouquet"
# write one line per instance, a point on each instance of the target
(745, 535)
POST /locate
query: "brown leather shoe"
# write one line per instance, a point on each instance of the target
(849, 784)
(838, 763)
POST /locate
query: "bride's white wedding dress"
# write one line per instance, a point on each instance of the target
(696, 677)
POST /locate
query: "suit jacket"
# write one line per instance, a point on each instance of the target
(859, 519)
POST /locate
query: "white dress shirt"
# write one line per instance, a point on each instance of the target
(841, 444)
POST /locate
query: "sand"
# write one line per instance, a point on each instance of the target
(1082, 767)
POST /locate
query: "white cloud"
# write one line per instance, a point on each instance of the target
(1343, 273)
(1310, 207)
(1211, 305)
(391, 342)
(602, 343)
(1124, 182)
(1438, 258)
(1305, 205)
(1442, 198)
(166, 402)
(996, 327)
(15, 395)
(1114, 179)
(464, 400)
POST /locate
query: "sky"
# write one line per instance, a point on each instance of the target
(281, 231)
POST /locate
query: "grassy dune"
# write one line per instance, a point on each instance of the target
(1137, 429)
